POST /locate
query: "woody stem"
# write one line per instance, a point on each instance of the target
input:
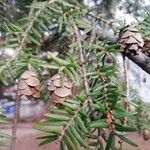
(15, 121)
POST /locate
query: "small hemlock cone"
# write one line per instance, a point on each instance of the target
(146, 47)
(59, 91)
(131, 41)
(146, 134)
(29, 86)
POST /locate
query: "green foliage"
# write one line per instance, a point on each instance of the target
(145, 25)
(123, 138)
(67, 125)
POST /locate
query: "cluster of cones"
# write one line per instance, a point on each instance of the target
(59, 90)
(132, 42)
(29, 87)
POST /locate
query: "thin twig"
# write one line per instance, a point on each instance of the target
(87, 89)
(126, 89)
(17, 103)
(15, 120)
(99, 141)
(100, 18)
(83, 66)
(72, 119)
(19, 50)
(126, 78)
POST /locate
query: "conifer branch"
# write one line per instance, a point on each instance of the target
(25, 35)
(87, 89)
(83, 66)
(71, 121)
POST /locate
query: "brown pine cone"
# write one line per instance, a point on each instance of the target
(29, 86)
(146, 47)
(58, 91)
(131, 41)
(146, 134)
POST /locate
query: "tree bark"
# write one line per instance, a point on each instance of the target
(141, 60)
